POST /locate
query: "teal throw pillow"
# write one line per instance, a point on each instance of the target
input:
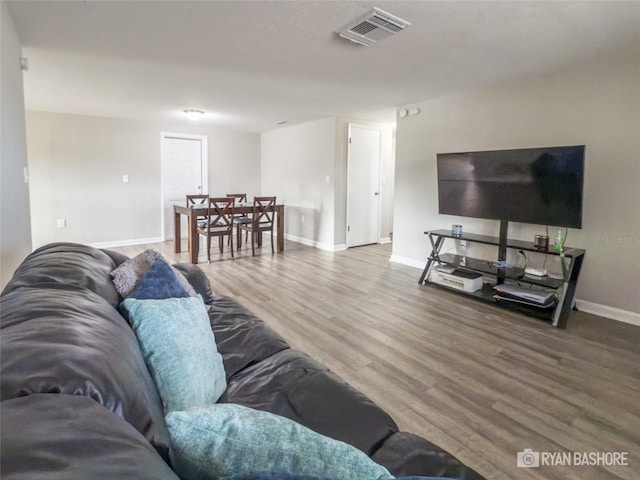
(179, 349)
(158, 282)
(226, 439)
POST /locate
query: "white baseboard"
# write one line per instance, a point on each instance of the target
(385, 240)
(609, 312)
(588, 307)
(314, 243)
(409, 262)
(126, 243)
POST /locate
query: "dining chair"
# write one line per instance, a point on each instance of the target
(262, 219)
(219, 222)
(240, 218)
(199, 200)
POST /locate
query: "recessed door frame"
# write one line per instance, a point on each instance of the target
(350, 173)
(204, 163)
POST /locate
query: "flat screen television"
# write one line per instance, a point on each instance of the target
(542, 186)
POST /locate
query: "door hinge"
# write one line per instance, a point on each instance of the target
(348, 228)
(349, 139)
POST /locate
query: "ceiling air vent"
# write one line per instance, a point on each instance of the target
(374, 26)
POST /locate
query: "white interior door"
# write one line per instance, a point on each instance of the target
(184, 172)
(363, 185)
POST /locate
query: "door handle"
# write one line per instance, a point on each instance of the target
(376, 193)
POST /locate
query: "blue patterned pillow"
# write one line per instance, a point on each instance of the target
(226, 439)
(179, 349)
(160, 281)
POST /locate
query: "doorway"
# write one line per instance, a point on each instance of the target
(363, 185)
(184, 172)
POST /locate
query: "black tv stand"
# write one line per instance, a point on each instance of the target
(564, 288)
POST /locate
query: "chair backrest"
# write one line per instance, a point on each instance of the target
(220, 216)
(197, 200)
(263, 211)
(240, 197)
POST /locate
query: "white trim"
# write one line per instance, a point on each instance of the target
(315, 244)
(204, 165)
(409, 262)
(613, 313)
(126, 243)
(385, 240)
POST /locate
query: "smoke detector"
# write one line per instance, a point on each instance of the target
(372, 27)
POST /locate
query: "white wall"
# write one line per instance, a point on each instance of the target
(15, 229)
(295, 163)
(598, 106)
(77, 163)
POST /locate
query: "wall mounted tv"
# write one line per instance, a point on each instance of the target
(542, 186)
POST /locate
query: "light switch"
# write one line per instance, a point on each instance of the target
(125, 178)
(327, 179)
(62, 222)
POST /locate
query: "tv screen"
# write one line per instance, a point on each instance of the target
(531, 185)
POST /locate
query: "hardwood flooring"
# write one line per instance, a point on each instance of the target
(479, 381)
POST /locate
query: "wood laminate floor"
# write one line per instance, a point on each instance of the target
(479, 381)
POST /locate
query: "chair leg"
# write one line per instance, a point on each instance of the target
(253, 245)
(272, 249)
(209, 248)
(231, 243)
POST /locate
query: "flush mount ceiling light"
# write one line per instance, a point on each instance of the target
(193, 114)
(375, 25)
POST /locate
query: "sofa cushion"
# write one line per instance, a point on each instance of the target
(62, 437)
(197, 279)
(219, 440)
(295, 386)
(59, 340)
(160, 281)
(180, 350)
(242, 339)
(407, 454)
(67, 265)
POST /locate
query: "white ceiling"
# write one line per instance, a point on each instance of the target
(249, 64)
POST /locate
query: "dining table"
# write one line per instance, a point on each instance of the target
(192, 212)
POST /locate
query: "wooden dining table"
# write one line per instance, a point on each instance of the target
(192, 213)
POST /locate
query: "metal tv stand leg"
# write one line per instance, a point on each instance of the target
(435, 255)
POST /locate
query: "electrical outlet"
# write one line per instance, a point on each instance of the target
(463, 244)
(62, 222)
(302, 218)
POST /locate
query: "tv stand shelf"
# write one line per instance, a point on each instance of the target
(564, 288)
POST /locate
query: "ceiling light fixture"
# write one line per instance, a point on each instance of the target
(193, 114)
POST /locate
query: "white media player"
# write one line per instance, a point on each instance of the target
(458, 279)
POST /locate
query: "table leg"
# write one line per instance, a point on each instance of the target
(194, 238)
(177, 242)
(280, 215)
